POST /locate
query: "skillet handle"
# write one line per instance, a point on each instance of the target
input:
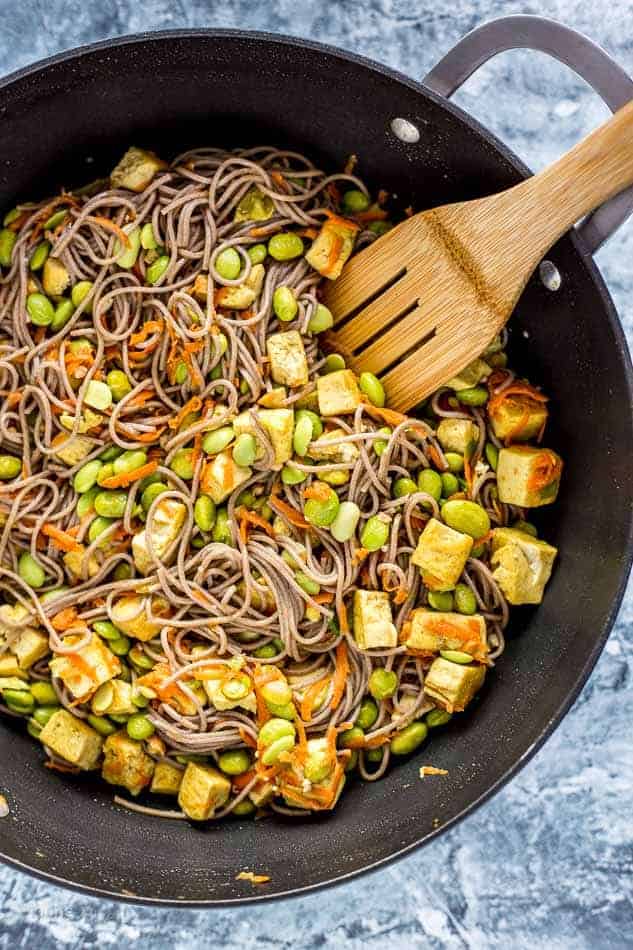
(573, 49)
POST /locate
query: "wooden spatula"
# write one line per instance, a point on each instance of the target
(425, 299)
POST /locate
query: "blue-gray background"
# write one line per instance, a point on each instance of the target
(548, 862)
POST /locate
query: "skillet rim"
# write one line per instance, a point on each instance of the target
(611, 315)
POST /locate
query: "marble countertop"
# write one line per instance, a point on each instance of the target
(549, 861)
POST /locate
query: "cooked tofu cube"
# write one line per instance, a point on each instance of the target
(216, 696)
(457, 435)
(432, 631)
(221, 476)
(332, 246)
(243, 295)
(167, 520)
(274, 398)
(73, 450)
(27, 642)
(136, 169)
(87, 420)
(451, 685)
(254, 206)
(167, 779)
(470, 376)
(528, 476)
(200, 288)
(288, 363)
(202, 791)
(441, 555)
(126, 763)
(373, 623)
(338, 393)
(114, 698)
(9, 666)
(518, 418)
(323, 450)
(55, 277)
(84, 671)
(72, 739)
(278, 424)
(522, 565)
(130, 614)
(31, 646)
(74, 561)
(262, 793)
(172, 694)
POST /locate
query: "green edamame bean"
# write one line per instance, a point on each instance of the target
(409, 739)
(123, 571)
(373, 388)
(292, 476)
(204, 512)
(120, 647)
(80, 291)
(274, 750)
(467, 517)
(222, 528)
(12, 216)
(148, 240)
(43, 693)
(102, 725)
(182, 464)
(450, 484)
(437, 717)
(39, 255)
(525, 526)
(350, 737)
(477, 396)
(10, 467)
(465, 600)
(317, 425)
(63, 312)
(381, 444)
(374, 755)
(456, 656)
(440, 600)
(285, 304)
(151, 492)
(333, 363)
(7, 243)
(492, 455)
(379, 227)
(18, 701)
(455, 462)
(375, 533)
(302, 435)
(105, 472)
(285, 246)
(404, 486)
(352, 761)
(234, 761)
(430, 482)
(86, 477)
(40, 310)
(228, 264)
(98, 526)
(243, 809)
(355, 201)
(322, 510)
(217, 441)
(106, 630)
(111, 453)
(245, 450)
(382, 683)
(118, 383)
(321, 320)
(275, 729)
(44, 713)
(345, 522)
(156, 270)
(129, 461)
(111, 504)
(181, 374)
(367, 714)
(257, 253)
(307, 584)
(139, 658)
(139, 727)
(265, 652)
(57, 218)
(33, 729)
(30, 570)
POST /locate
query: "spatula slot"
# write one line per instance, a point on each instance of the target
(416, 347)
(393, 280)
(387, 325)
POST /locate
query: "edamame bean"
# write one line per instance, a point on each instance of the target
(492, 455)
(456, 656)
(430, 482)
(292, 476)
(79, 293)
(102, 725)
(204, 512)
(322, 506)
(265, 652)
(374, 755)
(275, 729)
(381, 444)
(525, 526)
(317, 425)
(129, 461)
(245, 450)
(156, 270)
(243, 809)
(355, 201)
(285, 246)
(375, 533)
(409, 738)
(111, 453)
(477, 396)
(373, 388)
(106, 471)
(30, 570)
(234, 761)
(120, 647)
(57, 218)
(151, 492)
(450, 485)
(182, 463)
(302, 435)
(404, 486)
(39, 255)
(440, 600)
(106, 630)
(123, 571)
(40, 310)
(148, 240)
(139, 727)
(257, 253)
(7, 243)
(139, 658)
(277, 693)
(455, 462)
(437, 717)
(18, 701)
(285, 304)
(43, 693)
(345, 522)
(352, 761)
(274, 750)
(44, 713)
(181, 374)
(97, 527)
(367, 714)
(382, 683)
(111, 504)
(333, 363)
(467, 517)
(222, 528)
(321, 320)
(351, 737)
(86, 476)
(307, 584)
(379, 227)
(465, 600)
(217, 441)
(12, 216)
(118, 383)
(10, 467)
(228, 264)
(63, 312)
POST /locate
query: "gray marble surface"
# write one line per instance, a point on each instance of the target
(549, 861)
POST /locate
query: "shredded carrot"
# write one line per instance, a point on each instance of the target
(247, 738)
(14, 399)
(241, 781)
(141, 436)
(336, 247)
(252, 878)
(382, 196)
(60, 538)
(318, 491)
(310, 233)
(246, 518)
(390, 416)
(258, 232)
(77, 660)
(58, 767)
(110, 226)
(334, 193)
(547, 469)
(151, 326)
(141, 398)
(126, 478)
(432, 770)
(288, 512)
(359, 555)
(193, 405)
(350, 164)
(310, 697)
(64, 619)
(280, 181)
(300, 753)
(325, 597)
(341, 670)
(372, 214)
(435, 457)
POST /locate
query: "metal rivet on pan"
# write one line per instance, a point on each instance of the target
(550, 275)
(405, 131)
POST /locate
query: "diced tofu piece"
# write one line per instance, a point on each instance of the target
(114, 699)
(288, 363)
(171, 694)
(202, 791)
(432, 631)
(332, 246)
(221, 476)
(9, 666)
(130, 614)
(441, 555)
(254, 206)
(243, 295)
(517, 418)
(167, 520)
(136, 169)
(74, 561)
(373, 623)
(31, 646)
(87, 420)
(55, 277)
(126, 763)
(274, 399)
(73, 450)
(323, 450)
(13, 682)
(457, 435)
(309, 400)
(200, 288)
(522, 565)
(451, 685)
(72, 739)
(167, 779)
(27, 642)
(83, 672)
(262, 793)
(528, 476)
(338, 393)
(278, 424)
(470, 376)
(216, 696)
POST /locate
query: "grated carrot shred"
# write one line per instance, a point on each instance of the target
(126, 478)
(341, 670)
(61, 539)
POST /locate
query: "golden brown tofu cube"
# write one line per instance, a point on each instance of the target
(126, 763)
(522, 565)
(457, 435)
(278, 425)
(338, 393)
(72, 739)
(203, 790)
(55, 277)
(26, 641)
(73, 450)
(83, 672)
(288, 362)
(528, 476)
(254, 206)
(173, 695)
(432, 631)
(373, 623)
(131, 614)
(167, 779)
(243, 295)
(31, 646)
(136, 169)
(75, 562)
(518, 418)
(262, 793)
(325, 448)
(167, 520)
(441, 555)
(451, 685)
(332, 246)
(221, 476)
(9, 666)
